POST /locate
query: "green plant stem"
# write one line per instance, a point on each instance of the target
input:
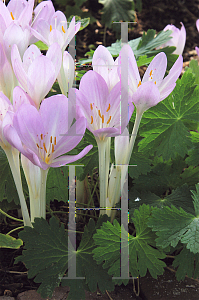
(14, 230)
(17, 179)
(13, 218)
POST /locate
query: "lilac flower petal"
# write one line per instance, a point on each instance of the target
(173, 75)
(20, 97)
(55, 36)
(181, 40)
(29, 126)
(133, 73)
(54, 115)
(156, 70)
(66, 159)
(42, 32)
(197, 24)
(44, 10)
(5, 14)
(95, 88)
(71, 138)
(197, 50)
(72, 30)
(30, 54)
(41, 76)
(18, 67)
(55, 59)
(147, 95)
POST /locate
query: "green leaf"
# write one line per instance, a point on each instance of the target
(46, 257)
(193, 65)
(190, 175)
(142, 254)
(180, 197)
(41, 45)
(173, 225)
(163, 126)
(46, 254)
(142, 165)
(195, 197)
(193, 158)
(164, 176)
(7, 185)
(94, 274)
(185, 263)
(117, 10)
(144, 60)
(57, 185)
(84, 22)
(7, 241)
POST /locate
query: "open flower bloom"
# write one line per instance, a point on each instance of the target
(18, 12)
(100, 107)
(56, 30)
(104, 64)
(37, 72)
(44, 136)
(178, 38)
(153, 88)
(197, 26)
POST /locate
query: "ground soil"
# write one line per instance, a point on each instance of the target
(14, 283)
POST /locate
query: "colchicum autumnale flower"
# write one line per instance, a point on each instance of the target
(37, 72)
(178, 38)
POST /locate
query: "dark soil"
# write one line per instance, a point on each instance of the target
(155, 14)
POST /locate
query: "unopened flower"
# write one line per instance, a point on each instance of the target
(178, 38)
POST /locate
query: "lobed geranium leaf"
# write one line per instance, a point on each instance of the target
(116, 10)
(180, 197)
(46, 254)
(193, 65)
(163, 126)
(142, 254)
(193, 158)
(46, 257)
(173, 225)
(164, 176)
(57, 185)
(186, 265)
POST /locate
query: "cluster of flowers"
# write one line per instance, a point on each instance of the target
(43, 129)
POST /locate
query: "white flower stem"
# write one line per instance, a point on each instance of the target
(102, 147)
(44, 174)
(17, 179)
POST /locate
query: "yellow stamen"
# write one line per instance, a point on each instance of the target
(108, 120)
(91, 106)
(63, 29)
(155, 82)
(51, 139)
(55, 140)
(41, 136)
(150, 73)
(99, 113)
(12, 15)
(109, 106)
(53, 148)
(51, 28)
(139, 83)
(91, 119)
(45, 147)
(37, 145)
(102, 118)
